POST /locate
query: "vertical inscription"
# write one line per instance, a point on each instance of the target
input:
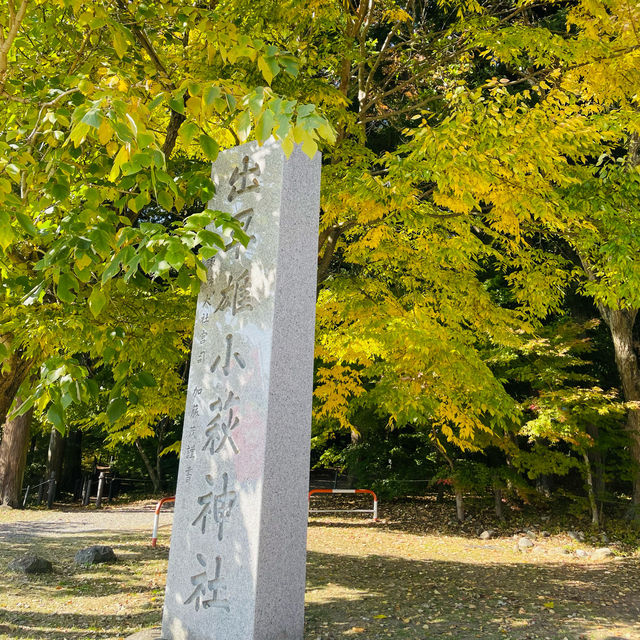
(215, 418)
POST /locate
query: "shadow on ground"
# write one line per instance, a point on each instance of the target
(371, 596)
(377, 596)
(106, 601)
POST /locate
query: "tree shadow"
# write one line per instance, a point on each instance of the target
(426, 514)
(388, 597)
(54, 626)
(69, 579)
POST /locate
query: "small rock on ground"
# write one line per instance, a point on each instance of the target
(602, 552)
(581, 553)
(486, 535)
(95, 554)
(30, 564)
(525, 543)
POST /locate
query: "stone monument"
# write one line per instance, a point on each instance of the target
(237, 559)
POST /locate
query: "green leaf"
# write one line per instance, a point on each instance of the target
(290, 65)
(146, 379)
(7, 234)
(93, 118)
(120, 43)
(60, 190)
(55, 415)
(116, 409)
(13, 171)
(209, 147)
(269, 67)
(212, 94)
(244, 125)
(176, 254)
(188, 131)
(264, 125)
(111, 270)
(194, 88)
(66, 283)
(256, 100)
(97, 301)
(165, 200)
(177, 103)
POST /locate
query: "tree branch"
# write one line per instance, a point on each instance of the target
(15, 20)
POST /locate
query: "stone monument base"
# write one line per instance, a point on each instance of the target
(147, 634)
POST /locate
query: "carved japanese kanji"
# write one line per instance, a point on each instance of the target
(203, 585)
(219, 505)
(226, 367)
(219, 430)
(236, 295)
(248, 177)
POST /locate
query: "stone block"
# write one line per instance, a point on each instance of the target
(237, 558)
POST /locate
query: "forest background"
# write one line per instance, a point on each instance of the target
(479, 274)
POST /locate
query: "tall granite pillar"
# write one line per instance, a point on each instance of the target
(237, 558)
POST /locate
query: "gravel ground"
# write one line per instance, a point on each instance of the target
(21, 526)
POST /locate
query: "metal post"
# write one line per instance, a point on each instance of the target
(100, 490)
(86, 490)
(156, 519)
(52, 490)
(26, 495)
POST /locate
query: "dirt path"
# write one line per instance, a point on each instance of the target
(33, 524)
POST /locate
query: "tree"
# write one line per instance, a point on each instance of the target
(13, 455)
(469, 136)
(112, 113)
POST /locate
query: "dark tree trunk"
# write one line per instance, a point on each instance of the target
(620, 323)
(497, 498)
(597, 464)
(55, 455)
(595, 516)
(150, 470)
(72, 464)
(13, 457)
(14, 374)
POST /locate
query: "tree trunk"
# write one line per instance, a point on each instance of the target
(150, 470)
(55, 455)
(596, 461)
(595, 519)
(620, 323)
(459, 505)
(72, 464)
(13, 458)
(497, 496)
(15, 374)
